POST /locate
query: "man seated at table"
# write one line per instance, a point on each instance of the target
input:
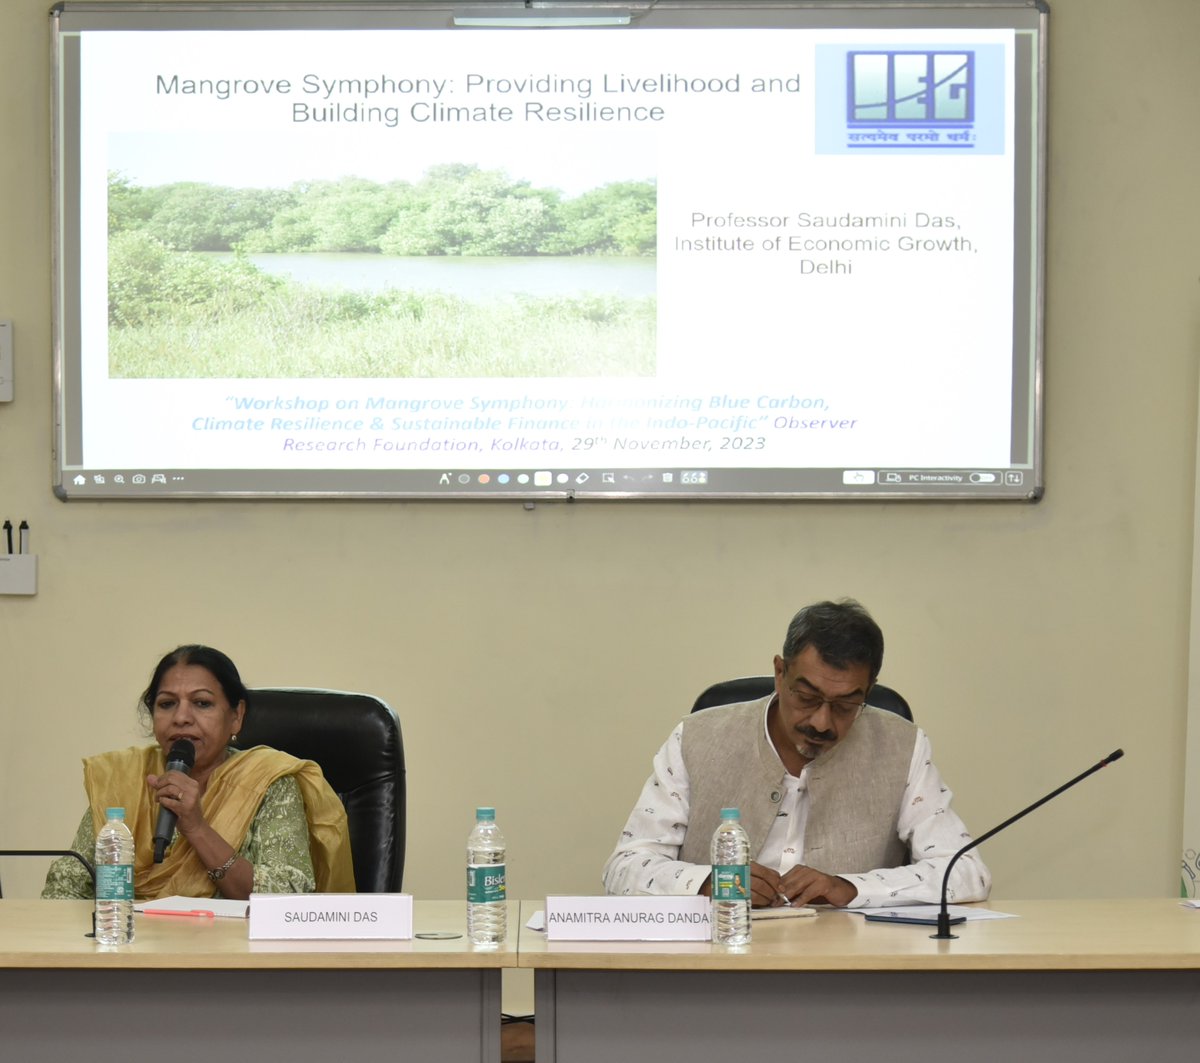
(841, 800)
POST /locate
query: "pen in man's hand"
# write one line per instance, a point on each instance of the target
(783, 897)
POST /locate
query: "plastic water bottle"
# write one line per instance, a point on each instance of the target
(114, 881)
(487, 910)
(730, 881)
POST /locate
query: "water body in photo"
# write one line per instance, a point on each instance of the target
(478, 279)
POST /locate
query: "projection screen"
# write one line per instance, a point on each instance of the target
(680, 250)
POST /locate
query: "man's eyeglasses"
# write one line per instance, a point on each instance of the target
(839, 708)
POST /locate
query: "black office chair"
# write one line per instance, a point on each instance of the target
(356, 740)
(751, 687)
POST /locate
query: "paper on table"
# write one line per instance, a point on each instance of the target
(219, 906)
(784, 911)
(930, 911)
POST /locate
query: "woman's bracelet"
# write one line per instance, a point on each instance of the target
(218, 873)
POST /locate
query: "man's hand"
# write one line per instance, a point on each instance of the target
(765, 887)
(803, 885)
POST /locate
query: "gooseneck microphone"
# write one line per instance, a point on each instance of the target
(181, 758)
(88, 865)
(943, 919)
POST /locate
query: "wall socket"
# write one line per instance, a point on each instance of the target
(18, 573)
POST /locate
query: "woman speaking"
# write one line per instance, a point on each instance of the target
(254, 820)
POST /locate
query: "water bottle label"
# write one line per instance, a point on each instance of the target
(731, 882)
(114, 882)
(485, 884)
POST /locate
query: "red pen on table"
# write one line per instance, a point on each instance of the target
(194, 913)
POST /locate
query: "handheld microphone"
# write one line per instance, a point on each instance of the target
(181, 758)
(943, 919)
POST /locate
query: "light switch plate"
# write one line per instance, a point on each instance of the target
(6, 361)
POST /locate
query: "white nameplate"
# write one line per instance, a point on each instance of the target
(331, 916)
(628, 919)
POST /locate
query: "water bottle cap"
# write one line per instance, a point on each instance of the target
(485, 813)
(730, 813)
(114, 813)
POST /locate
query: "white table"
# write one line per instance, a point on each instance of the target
(1092, 981)
(198, 990)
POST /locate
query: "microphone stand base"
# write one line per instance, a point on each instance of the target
(944, 922)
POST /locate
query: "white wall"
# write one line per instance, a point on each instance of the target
(537, 658)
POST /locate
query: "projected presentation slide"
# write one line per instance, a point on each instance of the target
(618, 262)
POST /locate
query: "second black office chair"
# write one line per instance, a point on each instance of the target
(750, 687)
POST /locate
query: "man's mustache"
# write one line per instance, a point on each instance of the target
(817, 736)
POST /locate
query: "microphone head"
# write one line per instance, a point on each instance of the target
(182, 752)
(1116, 754)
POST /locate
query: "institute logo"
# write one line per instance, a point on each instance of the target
(945, 100)
(910, 88)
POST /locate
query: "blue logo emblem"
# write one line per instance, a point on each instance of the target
(916, 100)
(910, 88)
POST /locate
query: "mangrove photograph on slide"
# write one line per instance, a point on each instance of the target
(464, 271)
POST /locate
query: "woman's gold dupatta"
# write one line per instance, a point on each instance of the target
(235, 791)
